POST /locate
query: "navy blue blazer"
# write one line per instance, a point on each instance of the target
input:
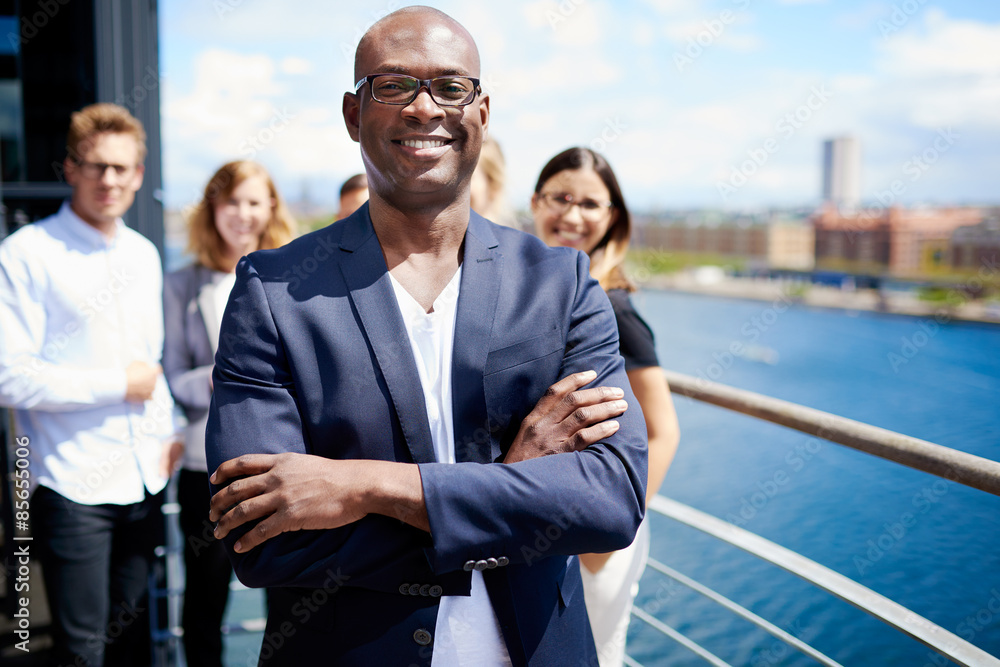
(314, 357)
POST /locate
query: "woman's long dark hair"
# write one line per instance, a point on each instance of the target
(607, 258)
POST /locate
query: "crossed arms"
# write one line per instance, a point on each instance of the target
(273, 502)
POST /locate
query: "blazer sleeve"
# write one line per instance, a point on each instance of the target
(580, 502)
(255, 409)
(188, 379)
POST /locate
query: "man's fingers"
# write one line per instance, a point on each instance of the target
(243, 512)
(248, 464)
(257, 535)
(594, 414)
(593, 434)
(234, 494)
(558, 391)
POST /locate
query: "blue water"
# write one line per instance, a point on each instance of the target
(931, 545)
(942, 385)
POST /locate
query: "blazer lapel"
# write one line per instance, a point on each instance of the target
(365, 273)
(477, 304)
(209, 311)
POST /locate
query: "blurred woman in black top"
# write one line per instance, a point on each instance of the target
(578, 204)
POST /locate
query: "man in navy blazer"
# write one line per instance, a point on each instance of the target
(331, 486)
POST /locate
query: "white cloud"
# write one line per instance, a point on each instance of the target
(943, 72)
(294, 65)
(943, 47)
(571, 24)
(701, 34)
(237, 108)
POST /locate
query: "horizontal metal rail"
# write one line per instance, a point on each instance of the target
(968, 469)
(697, 649)
(744, 613)
(946, 643)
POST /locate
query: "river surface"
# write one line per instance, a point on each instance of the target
(930, 544)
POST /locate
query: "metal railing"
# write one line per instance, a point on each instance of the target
(966, 469)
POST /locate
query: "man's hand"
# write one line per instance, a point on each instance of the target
(141, 379)
(170, 457)
(305, 492)
(568, 419)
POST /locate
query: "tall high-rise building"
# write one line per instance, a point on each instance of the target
(842, 172)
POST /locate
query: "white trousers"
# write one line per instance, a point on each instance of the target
(609, 595)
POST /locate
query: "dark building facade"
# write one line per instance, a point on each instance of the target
(57, 56)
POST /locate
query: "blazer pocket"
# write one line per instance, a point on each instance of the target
(527, 350)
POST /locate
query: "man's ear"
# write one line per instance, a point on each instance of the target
(352, 115)
(484, 113)
(70, 171)
(140, 171)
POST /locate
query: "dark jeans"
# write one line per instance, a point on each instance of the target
(95, 562)
(208, 570)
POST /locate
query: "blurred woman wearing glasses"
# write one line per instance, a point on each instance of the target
(578, 204)
(239, 213)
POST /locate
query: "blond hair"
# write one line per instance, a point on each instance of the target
(204, 241)
(96, 119)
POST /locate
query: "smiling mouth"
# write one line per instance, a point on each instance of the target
(569, 236)
(419, 143)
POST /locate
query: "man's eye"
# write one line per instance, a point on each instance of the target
(452, 89)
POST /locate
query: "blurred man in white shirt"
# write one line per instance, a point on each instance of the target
(82, 336)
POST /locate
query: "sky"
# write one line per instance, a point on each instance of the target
(718, 104)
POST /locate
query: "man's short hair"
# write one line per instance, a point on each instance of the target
(354, 183)
(95, 119)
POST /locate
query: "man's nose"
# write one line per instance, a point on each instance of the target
(423, 106)
(109, 176)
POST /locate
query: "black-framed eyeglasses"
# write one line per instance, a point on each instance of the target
(402, 89)
(96, 170)
(590, 209)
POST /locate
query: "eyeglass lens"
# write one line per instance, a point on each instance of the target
(401, 89)
(589, 209)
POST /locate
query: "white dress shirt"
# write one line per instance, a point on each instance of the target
(467, 630)
(76, 308)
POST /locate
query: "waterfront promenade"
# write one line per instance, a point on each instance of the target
(824, 296)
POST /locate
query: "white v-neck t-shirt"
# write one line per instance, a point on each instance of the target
(467, 630)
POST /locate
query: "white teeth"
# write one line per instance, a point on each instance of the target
(416, 143)
(570, 236)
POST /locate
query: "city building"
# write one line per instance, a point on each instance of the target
(977, 246)
(901, 242)
(842, 172)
